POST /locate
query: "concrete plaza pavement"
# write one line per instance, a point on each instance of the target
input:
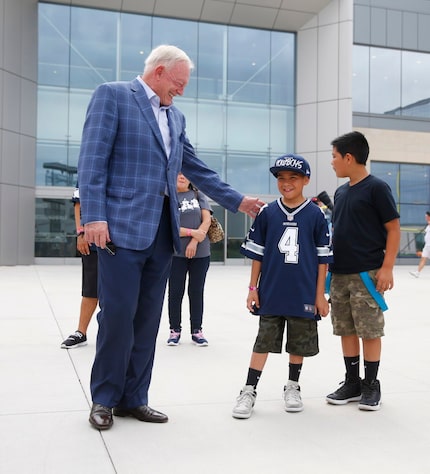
(45, 399)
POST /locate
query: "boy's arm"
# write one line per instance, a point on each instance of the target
(81, 244)
(77, 210)
(384, 276)
(253, 297)
(321, 303)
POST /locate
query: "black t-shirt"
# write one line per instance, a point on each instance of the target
(359, 236)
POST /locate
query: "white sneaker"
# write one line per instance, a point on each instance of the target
(245, 402)
(293, 400)
(415, 274)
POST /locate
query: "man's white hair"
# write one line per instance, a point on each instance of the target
(166, 55)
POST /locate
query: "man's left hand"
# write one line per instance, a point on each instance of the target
(251, 206)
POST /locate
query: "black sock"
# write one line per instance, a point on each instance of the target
(253, 377)
(294, 372)
(352, 365)
(370, 371)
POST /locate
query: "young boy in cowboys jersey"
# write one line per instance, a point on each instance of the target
(289, 245)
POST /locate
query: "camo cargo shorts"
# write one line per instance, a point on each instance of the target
(353, 309)
(302, 335)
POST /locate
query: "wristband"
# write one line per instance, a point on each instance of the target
(188, 232)
(252, 288)
(80, 231)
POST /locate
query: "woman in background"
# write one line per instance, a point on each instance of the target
(193, 260)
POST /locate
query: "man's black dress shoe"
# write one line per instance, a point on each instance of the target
(142, 413)
(101, 417)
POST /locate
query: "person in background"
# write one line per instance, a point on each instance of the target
(425, 254)
(134, 145)
(89, 281)
(289, 245)
(366, 237)
(193, 260)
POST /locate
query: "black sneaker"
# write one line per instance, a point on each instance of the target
(347, 392)
(76, 339)
(371, 396)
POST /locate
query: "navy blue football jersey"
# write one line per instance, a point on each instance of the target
(290, 246)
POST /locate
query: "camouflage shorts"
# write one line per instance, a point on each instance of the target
(302, 335)
(353, 309)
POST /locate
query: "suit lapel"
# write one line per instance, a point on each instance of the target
(146, 108)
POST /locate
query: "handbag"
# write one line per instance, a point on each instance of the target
(215, 231)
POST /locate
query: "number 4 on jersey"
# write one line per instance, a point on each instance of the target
(288, 245)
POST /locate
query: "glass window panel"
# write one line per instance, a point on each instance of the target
(415, 84)
(282, 130)
(189, 109)
(211, 65)
(388, 172)
(135, 44)
(237, 229)
(78, 104)
(217, 249)
(182, 34)
(248, 173)
(384, 81)
(414, 184)
(53, 45)
(52, 167)
(215, 161)
(55, 228)
(52, 113)
(248, 71)
(282, 70)
(210, 125)
(93, 47)
(233, 64)
(413, 215)
(248, 127)
(360, 79)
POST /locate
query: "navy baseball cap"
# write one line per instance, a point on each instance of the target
(291, 162)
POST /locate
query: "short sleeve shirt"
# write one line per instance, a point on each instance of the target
(191, 204)
(290, 246)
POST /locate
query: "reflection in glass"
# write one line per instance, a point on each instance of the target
(211, 67)
(248, 65)
(248, 173)
(55, 228)
(360, 79)
(395, 82)
(239, 104)
(414, 184)
(384, 80)
(134, 44)
(92, 50)
(54, 45)
(415, 84)
(388, 172)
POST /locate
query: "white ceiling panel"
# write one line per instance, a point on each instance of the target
(289, 20)
(287, 15)
(217, 12)
(139, 6)
(190, 9)
(248, 15)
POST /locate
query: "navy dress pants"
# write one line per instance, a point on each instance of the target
(131, 293)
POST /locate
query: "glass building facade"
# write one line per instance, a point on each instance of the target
(239, 104)
(393, 82)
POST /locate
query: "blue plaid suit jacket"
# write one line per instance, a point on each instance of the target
(123, 168)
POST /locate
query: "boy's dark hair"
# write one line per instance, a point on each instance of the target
(428, 213)
(354, 143)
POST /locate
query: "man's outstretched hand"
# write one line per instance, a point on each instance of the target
(251, 206)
